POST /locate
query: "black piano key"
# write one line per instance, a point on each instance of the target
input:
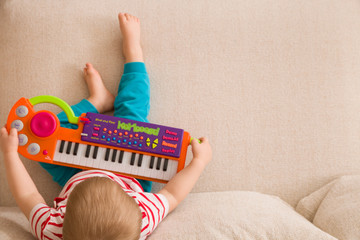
(158, 163)
(95, 152)
(107, 154)
(165, 164)
(121, 156)
(114, 155)
(140, 160)
(68, 149)
(87, 153)
(76, 149)
(152, 160)
(62, 144)
(132, 159)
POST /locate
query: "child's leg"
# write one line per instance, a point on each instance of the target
(133, 99)
(100, 100)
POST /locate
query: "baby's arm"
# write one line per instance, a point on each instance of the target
(181, 184)
(21, 185)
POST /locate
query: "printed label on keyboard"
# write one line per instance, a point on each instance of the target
(130, 134)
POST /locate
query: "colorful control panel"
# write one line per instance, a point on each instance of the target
(130, 134)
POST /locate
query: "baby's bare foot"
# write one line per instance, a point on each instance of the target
(130, 29)
(100, 97)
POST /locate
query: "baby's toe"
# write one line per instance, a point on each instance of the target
(122, 17)
(89, 65)
(90, 69)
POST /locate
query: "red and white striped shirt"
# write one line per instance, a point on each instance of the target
(47, 222)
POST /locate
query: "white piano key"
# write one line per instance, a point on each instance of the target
(113, 157)
(167, 172)
(144, 165)
(70, 157)
(63, 157)
(155, 172)
(118, 166)
(153, 164)
(89, 160)
(106, 163)
(109, 164)
(64, 154)
(68, 160)
(174, 169)
(161, 172)
(57, 154)
(81, 155)
(127, 168)
(164, 173)
(135, 170)
(98, 161)
(171, 169)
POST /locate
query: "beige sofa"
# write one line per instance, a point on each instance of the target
(274, 85)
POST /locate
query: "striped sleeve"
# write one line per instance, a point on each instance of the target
(46, 223)
(154, 208)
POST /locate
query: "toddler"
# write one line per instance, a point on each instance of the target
(98, 204)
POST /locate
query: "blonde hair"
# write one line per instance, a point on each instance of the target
(98, 208)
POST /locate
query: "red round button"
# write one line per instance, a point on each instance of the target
(43, 124)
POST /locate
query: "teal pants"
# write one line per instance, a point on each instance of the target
(132, 102)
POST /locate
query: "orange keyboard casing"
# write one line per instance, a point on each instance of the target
(47, 144)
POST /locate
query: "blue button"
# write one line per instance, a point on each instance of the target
(114, 138)
(108, 139)
(103, 136)
(119, 141)
(135, 142)
(140, 144)
(129, 143)
(124, 140)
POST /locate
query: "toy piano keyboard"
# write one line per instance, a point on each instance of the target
(137, 149)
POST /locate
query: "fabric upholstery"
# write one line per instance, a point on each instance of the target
(216, 215)
(274, 85)
(335, 207)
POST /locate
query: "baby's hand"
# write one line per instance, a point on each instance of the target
(201, 151)
(8, 142)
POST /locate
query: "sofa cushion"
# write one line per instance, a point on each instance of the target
(335, 207)
(13, 224)
(236, 215)
(217, 215)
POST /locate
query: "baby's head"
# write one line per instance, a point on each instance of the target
(98, 208)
